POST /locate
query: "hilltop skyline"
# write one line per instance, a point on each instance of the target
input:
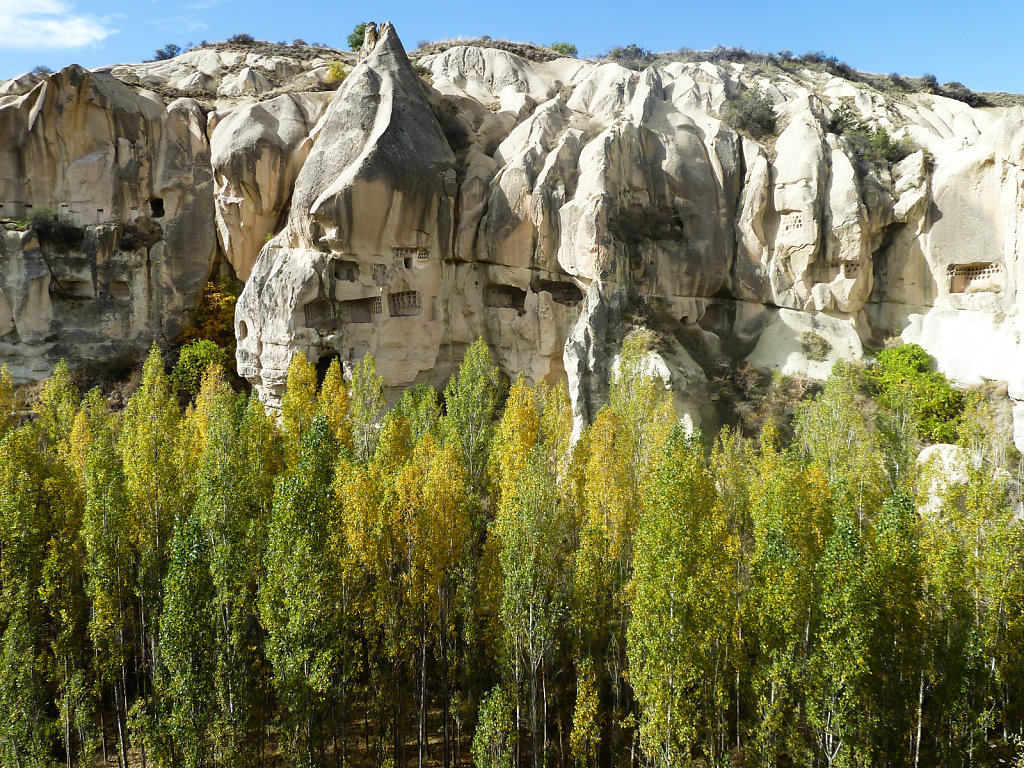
(953, 41)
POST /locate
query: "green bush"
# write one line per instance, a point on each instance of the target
(141, 234)
(566, 49)
(843, 119)
(961, 92)
(907, 381)
(900, 82)
(830, 64)
(816, 346)
(169, 51)
(866, 143)
(193, 361)
(56, 229)
(355, 40)
(752, 113)
(876, 146)
(631, 56)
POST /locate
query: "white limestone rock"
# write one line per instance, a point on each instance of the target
(359, 265)
(247, 81)
(113, 159)
(257, 151)
(806, 344)
(409, 214)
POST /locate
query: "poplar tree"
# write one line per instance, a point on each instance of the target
(299, 599)
(623, 448)
(298, 405)
(332, 401)
(530, 534)
(378, 538)
(235, 470)
(432, 496)
(680, 632)
(27, 731)
(531, 530)
(148, 445)
(110, 567)
(64, 572)
(791, 522)
(366, 407)
(187, 651)
(471, 402)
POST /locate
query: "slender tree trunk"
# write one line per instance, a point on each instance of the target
(445, 703)
(121, 714)
(533, 715)
(67, 719)
(544, 693)
(422, 736)
(519, 722)
(344, 724)
(920, 712)
(103, 730)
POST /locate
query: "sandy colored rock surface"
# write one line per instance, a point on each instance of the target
(549, 205)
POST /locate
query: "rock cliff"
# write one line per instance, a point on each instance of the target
(551, 205)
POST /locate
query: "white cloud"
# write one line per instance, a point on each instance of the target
(49, 24)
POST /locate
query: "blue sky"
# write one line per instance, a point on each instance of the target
(973, 42)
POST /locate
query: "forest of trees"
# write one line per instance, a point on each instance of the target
(455, 581)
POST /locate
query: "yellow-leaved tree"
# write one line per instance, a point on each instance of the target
(298, 405)
(624, 447)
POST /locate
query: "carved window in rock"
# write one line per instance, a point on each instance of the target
(408, 257)
(561, 292)
(325, 314)
(360, 310)
(380, 274)
(405, 304)
(505, 297)
(119, 290)
(71, 288)
(320, 314)
(820, 271)
(982, 276)
(791, 223)
(342, 269)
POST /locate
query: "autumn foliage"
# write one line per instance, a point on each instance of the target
(214, 317)
(457, 579)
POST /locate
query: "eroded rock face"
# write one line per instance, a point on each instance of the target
(135, 174)
(576, 196)
(552, 207)
(257, 151)
(359, 265)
